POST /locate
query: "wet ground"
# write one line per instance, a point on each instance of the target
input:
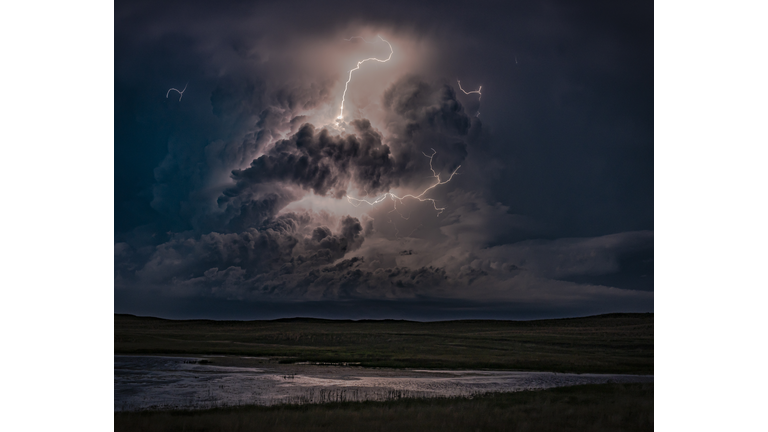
(154, 382)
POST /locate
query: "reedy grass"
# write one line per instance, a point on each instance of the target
(604, 407)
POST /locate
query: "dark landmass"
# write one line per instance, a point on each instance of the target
(613, 343)
(604, 407)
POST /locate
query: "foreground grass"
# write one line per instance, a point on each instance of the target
(614, 343)
(604, 407)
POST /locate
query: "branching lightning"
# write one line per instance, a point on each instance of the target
(395, 199)
(181, 93)
(474, 91)
(391, 51)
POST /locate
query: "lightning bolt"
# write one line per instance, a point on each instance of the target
(474, 91)
(391, 51)
(395, 199)
(181, 93)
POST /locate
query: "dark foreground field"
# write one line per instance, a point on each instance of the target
(604, 407)
(614, 343)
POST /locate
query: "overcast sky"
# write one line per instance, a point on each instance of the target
(242, 198)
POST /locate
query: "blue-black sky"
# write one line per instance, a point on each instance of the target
(229, 203)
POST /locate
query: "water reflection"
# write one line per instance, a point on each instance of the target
(154, 382)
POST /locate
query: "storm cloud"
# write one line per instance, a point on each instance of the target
(238, 192)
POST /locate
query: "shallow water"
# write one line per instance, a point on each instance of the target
(154, 382)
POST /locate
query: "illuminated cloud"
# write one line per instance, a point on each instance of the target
(257, 188)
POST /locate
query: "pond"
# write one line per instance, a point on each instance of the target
(156, 382)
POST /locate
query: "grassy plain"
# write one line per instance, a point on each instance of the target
(613, 343)
(604, 407)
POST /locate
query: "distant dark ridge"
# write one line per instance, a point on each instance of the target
(117, 315)
(467, 321)
(295, 319)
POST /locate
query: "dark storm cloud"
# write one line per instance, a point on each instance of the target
(552, 206)
(593, 260)
(426, 116)
(254, 211)
(426, 106)
(252, 259)
(248, 250)
(321, 162)
(186, 149)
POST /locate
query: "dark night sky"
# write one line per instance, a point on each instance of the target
(229, 203)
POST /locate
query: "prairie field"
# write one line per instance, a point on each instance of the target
(613, 343)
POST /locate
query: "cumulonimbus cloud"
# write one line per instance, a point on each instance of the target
(262, 143)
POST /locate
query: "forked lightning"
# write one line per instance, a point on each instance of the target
(356, 202)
